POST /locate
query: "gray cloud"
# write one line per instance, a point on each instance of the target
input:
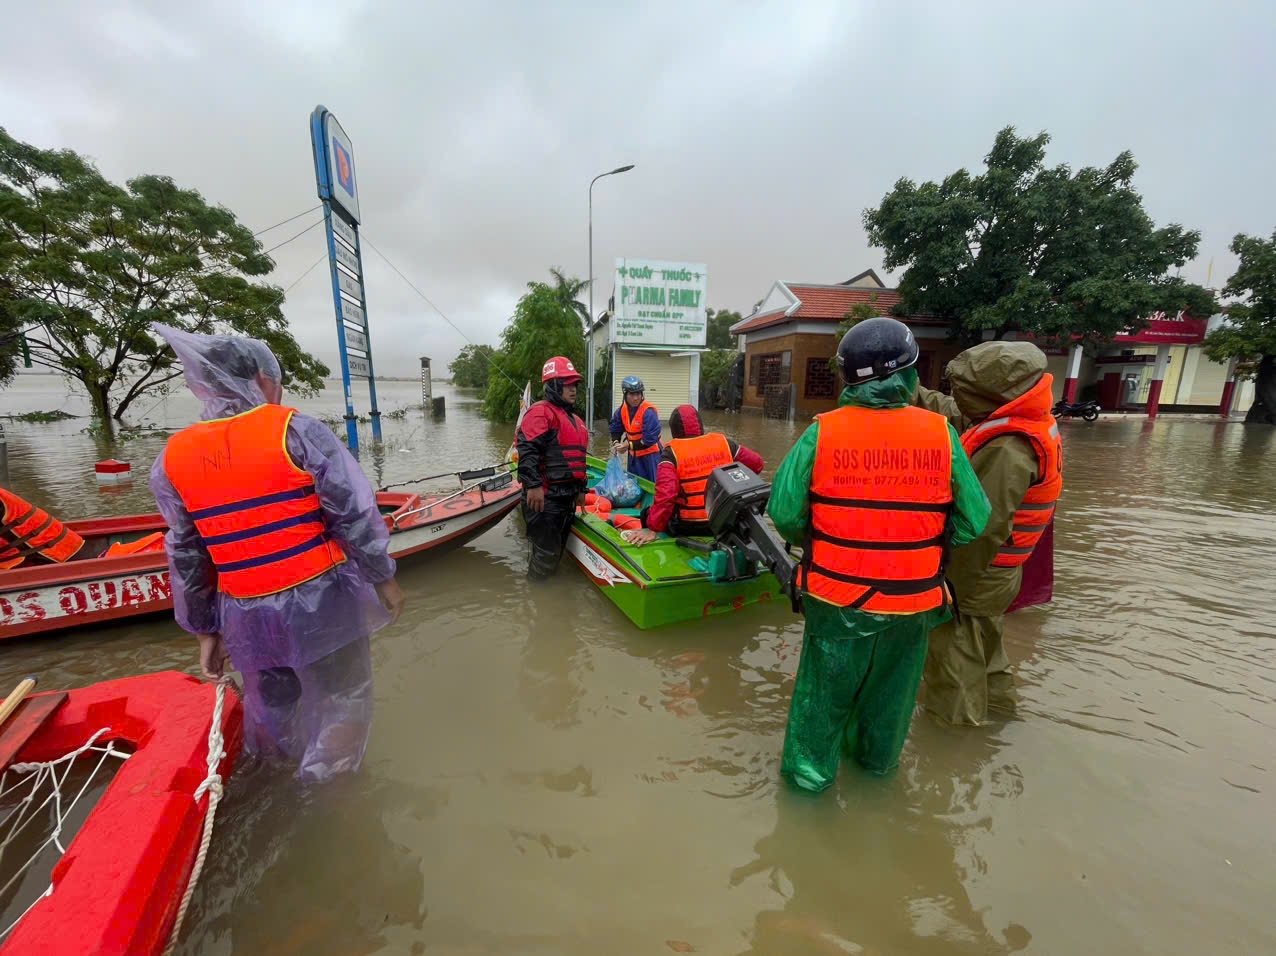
(760, 130)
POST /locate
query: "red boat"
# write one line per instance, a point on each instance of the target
(119, 885)
(94, 587)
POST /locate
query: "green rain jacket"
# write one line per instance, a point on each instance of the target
(983, 379)
(790, 507)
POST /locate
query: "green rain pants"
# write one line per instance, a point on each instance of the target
(855, 694)
(967, 671)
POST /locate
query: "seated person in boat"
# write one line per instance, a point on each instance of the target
(685, 464)
(551, 441)
(277, 553)
(635, 428)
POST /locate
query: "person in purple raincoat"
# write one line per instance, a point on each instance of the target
(303, 651)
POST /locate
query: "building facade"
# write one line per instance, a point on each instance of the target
(790, 338)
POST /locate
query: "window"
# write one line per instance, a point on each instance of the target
(773, 369)
(821, 380)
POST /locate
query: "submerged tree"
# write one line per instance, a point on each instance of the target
(1250, 332)
(1023, 247)
(91, 265)
(542, 326)
(472, 366)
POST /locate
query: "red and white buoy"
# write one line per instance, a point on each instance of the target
(112, 472)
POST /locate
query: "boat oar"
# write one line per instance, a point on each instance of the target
(16, 696)
(464, 476)
(31, 716)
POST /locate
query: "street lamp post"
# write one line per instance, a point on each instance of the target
(589, 326)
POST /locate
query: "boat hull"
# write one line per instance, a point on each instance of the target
(656, 585)
(118, 886)
(53, 597)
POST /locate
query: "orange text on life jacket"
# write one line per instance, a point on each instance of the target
(254, 509)
(881, 493)
(1028, 416)
(28, 531)
(694, 459)
(633, 428)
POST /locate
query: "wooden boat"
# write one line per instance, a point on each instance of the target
(662, 582)
(119, 886)
(94, 587)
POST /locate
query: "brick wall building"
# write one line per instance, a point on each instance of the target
(789, 340)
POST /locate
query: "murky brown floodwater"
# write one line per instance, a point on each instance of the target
(543, 778)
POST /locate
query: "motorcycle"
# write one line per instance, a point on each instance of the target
(1087, 411)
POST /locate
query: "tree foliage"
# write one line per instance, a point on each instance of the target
(471, 366)
(10, 335)
(1024, 247)
(543, 326)
(717, 334)
(568, 290)
(89, 265)
(715, 375)
(1250, 332)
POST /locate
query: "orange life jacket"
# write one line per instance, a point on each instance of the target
(694, 459)
(881, 493)
(1028, 416)
(144, 545)
(28, 530)
(255, 510)
(633, 427)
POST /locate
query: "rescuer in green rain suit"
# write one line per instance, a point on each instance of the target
(857, 679)
(967, 670)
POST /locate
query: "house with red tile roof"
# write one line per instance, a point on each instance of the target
(790, 337)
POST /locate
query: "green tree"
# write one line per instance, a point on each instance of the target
(91, 265)
(568, 290)
(471, 366)
(855, 315)
(1026, 248)
(10, 336)
(718, 335)
(1250, 332)
(542, 326)
(715, 375)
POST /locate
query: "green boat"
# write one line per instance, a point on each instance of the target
(662, 582)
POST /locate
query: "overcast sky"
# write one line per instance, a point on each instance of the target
(760, 130)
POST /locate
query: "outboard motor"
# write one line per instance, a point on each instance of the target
(735, 499)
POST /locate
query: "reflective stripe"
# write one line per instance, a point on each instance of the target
(247, 503)
(992, 423)
(246, 533)
(317, 541)
(879, 545)
(1041, 506)
(1006, 549)
(897, 588)
(1054, 429)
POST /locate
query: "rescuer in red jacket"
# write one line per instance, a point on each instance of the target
(685, 464)
(552, 441)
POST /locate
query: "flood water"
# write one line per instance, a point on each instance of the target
(545, 779)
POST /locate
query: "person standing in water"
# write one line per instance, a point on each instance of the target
(278, 555)
(875, 492)
(635, 427)
(1001, 400)
(551, 443)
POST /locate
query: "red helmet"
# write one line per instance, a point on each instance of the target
(560, 367)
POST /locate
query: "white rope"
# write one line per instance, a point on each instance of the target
(212, 785)
(36, 775)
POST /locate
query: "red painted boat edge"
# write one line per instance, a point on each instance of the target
(118, 887)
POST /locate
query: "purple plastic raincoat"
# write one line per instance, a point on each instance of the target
(303, 652)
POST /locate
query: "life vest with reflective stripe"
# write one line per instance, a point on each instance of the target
(256, 512)
(26, 530)
(633, 428)
(1028, 416)
(881, 494)
(565, 457)
(694, 459)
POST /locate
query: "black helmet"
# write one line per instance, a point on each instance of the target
(876, 348)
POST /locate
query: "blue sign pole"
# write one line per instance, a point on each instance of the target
(339, 193)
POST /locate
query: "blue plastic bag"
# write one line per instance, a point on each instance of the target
(618, 485)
